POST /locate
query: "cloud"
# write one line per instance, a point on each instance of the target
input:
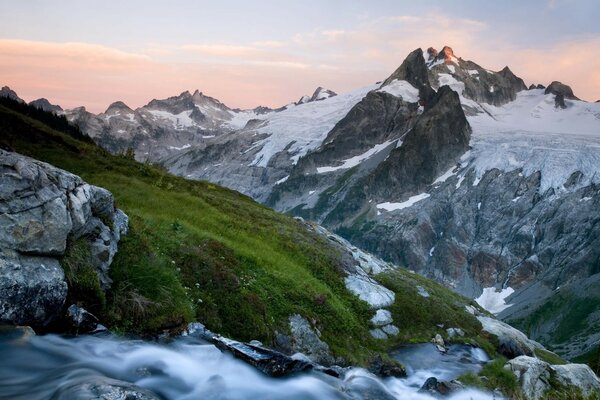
(275, 72)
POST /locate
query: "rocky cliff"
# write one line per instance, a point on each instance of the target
(43, 211)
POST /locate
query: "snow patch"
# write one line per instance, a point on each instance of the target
(402, 89)
(408, 203)
(354, 161)
(185, 146)
(279, 182)
(445, 176)
(493, 300)
(304, 126)
(530, 134)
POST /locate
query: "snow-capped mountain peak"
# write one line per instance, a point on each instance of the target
(320, 93)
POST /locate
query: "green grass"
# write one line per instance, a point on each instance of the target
(493, 376)
(198, 251)
(420, 318)
(549, 357)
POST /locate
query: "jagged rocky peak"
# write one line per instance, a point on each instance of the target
(447, 55)
(262, 110)
(118, 107)
(538, 86)
(200, 99)
(431, 54)
(11, 94)
(320, 93)
(44, 104)
(413, 70)
(174, 104)
(559, 88)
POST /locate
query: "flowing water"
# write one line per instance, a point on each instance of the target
(46, 367)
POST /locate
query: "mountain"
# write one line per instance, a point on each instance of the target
(45, 105)
(458, 172)
(11, 94)
(191, 250)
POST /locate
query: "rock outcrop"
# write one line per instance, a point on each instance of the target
(43, 210)
(536, 377)
(44, 104)
(559, 88)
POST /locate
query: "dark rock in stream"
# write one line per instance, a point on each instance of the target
(104, 388)
(80, 320)
(270, 362)
(386, 368)
(435, 387)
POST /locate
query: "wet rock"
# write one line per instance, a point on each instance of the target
(105, 389)
(362, 386)
(436, 387)
(439, 343)
(386, 368)
(306, 340)
(270, 362)
(81, 320)
(16, 334)
(32, 289)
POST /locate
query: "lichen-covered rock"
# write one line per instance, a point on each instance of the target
(32, 289)
(103, 388)
(306, 340)
(81, 320)
(42, 208)
(536, 377)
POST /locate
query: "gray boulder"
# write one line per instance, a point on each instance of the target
(305, 340)
(32, 289)
(536, 377)
(42, 208)
(511, 342)
(81, 320)
(103, 388)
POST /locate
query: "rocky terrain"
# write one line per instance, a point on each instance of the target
(43, 210)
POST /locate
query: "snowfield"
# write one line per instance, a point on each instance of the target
(530, 133)
(306, 125)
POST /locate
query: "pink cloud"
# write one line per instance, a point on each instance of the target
(273, 73)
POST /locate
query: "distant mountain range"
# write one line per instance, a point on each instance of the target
(460, 173)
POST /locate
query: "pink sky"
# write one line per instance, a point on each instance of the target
(276, 72)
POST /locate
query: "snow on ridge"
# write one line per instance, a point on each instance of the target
(405, 204)
(445, 176)
(403, 89)
(493, 300)
(529, 133)
(356, 160)
(307, 125)
(185, 146)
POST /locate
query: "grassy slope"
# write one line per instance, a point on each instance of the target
(199, 251)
